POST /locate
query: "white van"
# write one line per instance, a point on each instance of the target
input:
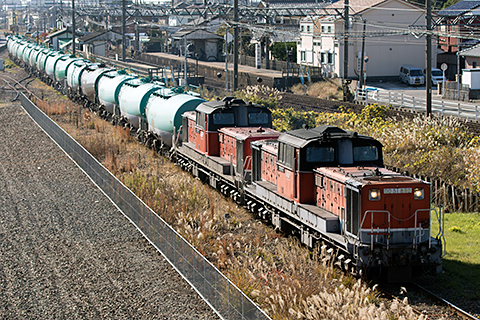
(437, 76)
(411, 75)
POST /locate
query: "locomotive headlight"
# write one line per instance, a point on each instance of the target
(374, 195)
(418, 193)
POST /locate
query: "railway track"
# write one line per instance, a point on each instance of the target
(425, 302)
(7, 79)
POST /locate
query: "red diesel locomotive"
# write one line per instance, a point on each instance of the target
(324, 184)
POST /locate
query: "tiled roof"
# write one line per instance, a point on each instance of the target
(471, 52)
(356, 5)
(459, 8)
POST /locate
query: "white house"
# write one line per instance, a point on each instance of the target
(389, 42)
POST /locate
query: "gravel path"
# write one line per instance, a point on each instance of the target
(65, 250)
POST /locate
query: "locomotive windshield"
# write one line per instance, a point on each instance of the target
(223, 119)
(365, 153)
(320, 154)
(258, 118)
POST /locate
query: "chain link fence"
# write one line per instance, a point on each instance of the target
(221, 294)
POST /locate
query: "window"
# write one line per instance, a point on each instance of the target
(323, 57)
(308, 28)
(303, 56)
(365, 153)
(302, 28)
(323, 29)
(200, 120)
(330, 58)
(257, 118)
(474, 64)
(223, 119)
(281, 152)
(289, 155)
(320, 154)
(416, 73)
(329, 29)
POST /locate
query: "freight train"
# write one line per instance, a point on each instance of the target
(326, 185)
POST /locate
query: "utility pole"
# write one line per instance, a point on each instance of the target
(428, 79)
(345, 52)
(123, 31)
(362, 56)
(267, 40)
(185, 53)
(73, 26)
(235, 46)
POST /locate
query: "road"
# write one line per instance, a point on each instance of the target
(414, 98)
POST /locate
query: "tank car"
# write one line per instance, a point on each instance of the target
(109, 85)
(164, 113)
(89, 82)
(323, 184)
(32, 60)
(26, 55)
(133, 97)
(73, 75)
(50, 64)
(60, 71)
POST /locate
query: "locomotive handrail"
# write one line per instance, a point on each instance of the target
(248, 159)
(441, 228)
(371, 225)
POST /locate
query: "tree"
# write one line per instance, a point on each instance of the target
(449, 3)
(279, 52)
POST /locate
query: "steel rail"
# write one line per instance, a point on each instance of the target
(460, 312)
(21, 85)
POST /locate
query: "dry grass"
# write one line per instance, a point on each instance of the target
(284, 278)
(323, 89)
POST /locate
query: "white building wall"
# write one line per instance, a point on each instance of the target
(386, 53)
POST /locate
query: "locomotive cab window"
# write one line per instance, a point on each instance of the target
(365, 153)
(320, 154)
(200, 119)
(223, 119)
(286, 155)
(258, 118)
(317, 155)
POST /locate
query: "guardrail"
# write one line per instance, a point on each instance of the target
(218, 292)
(416, 104)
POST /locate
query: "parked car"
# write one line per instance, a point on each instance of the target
(437, 76)
(411, 75)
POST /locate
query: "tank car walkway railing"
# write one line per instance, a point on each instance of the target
(219, 292)
(416, 104)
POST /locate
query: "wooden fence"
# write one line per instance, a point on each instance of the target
(454, 199)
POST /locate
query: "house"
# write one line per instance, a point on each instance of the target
(389, 42)
(96, 42)
(61, 38)
(472, 57)
(205, 44)
(457, 21)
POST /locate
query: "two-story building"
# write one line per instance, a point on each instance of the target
(390, 39)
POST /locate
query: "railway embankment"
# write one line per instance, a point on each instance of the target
(65, 250)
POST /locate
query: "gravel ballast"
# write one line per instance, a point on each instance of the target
(66, 252)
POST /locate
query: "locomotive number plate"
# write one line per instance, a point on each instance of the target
(397, 190)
